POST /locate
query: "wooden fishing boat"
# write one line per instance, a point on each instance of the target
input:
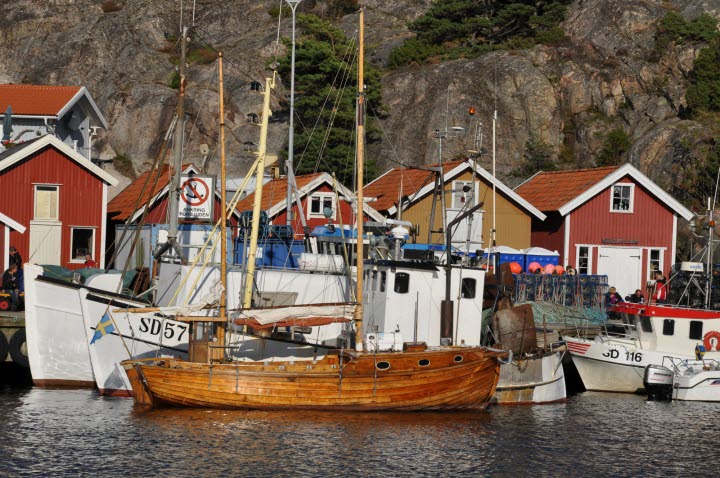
(416, 378)
(433, 379)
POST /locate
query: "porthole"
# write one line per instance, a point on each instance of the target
(458, 358)
(383, 365)
(423, 362)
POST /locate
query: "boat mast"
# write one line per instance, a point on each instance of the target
(174, 196)
(360, 145)
(291, 129)
(223, 203)
(257, 205)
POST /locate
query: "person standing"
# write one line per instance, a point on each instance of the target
(15, 258)
(660, 294)
(10, 286)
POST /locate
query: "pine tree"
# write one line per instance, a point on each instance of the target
(326, 85)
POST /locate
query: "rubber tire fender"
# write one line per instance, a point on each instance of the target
(16, 343)
(4, 347)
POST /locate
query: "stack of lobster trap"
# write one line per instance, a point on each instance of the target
(569, 290)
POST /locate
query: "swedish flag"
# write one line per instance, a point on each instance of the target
(104, 327)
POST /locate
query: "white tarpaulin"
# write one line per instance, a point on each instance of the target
(343, 312)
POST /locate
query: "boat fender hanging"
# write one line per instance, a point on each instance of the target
(16, 349)
(708, 341)
(3, 347)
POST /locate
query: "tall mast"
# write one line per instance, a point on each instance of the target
(360, 144)
(223, 199)
(222, 313)
(250, 275)
(179, 139)
(291, 130)
(494, 228)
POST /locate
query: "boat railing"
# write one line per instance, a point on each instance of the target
(629, 333)
(680, 366)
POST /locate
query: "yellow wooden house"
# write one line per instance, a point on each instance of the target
(462, 184)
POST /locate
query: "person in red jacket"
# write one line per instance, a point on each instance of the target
(660, 294)
(89, 262)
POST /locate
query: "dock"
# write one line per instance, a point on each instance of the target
(13, 347)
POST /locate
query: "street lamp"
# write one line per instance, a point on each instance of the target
(291, 134)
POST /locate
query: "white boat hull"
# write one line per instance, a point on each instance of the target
(57, 348)
(134, 337)
(532, 381)
(701, 383)
(613, 366)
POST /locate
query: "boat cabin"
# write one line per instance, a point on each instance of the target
(670, 329)
(404, 297)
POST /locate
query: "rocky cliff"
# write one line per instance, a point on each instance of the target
(569, 96)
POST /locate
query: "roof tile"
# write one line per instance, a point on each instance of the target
(45, 100)
(275, 191)
(123, 206)
(549, 191)
(386, 188)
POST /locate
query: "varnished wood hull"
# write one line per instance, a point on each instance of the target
(454, 378)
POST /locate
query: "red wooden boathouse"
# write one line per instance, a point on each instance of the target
(59, 198)
(613, 221)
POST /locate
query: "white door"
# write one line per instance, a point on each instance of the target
(45, 243)
(623, 266)
(460, 231)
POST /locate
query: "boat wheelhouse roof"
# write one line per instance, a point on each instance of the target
(667, 311)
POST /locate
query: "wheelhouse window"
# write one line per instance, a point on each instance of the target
(622, 198)
(468, 288)
(383, 280)
(402, 283)
(696, 330)
(668, 327)
(46, 202)
(82, 242)
(583, 262)
(318, 202)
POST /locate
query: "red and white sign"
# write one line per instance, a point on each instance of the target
(196, 194)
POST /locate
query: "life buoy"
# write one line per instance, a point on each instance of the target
(3, 347)
(707, 341)
(17, 343)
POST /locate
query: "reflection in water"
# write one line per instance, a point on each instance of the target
(79, 433)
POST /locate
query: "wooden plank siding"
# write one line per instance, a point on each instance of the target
(513, 222)
(80, 199)
(650, 225)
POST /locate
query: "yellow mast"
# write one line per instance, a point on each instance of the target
(360, 144)
(223, 214)
(250, 275)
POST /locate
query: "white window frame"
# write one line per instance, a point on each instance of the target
(322, 196)
(661, 251)
(73, 260)
(631, 198)
(590, 258)
(456, 185)
(57, 202)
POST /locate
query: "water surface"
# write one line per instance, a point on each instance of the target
(78, 433)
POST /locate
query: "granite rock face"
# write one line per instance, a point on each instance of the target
(569, 96)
